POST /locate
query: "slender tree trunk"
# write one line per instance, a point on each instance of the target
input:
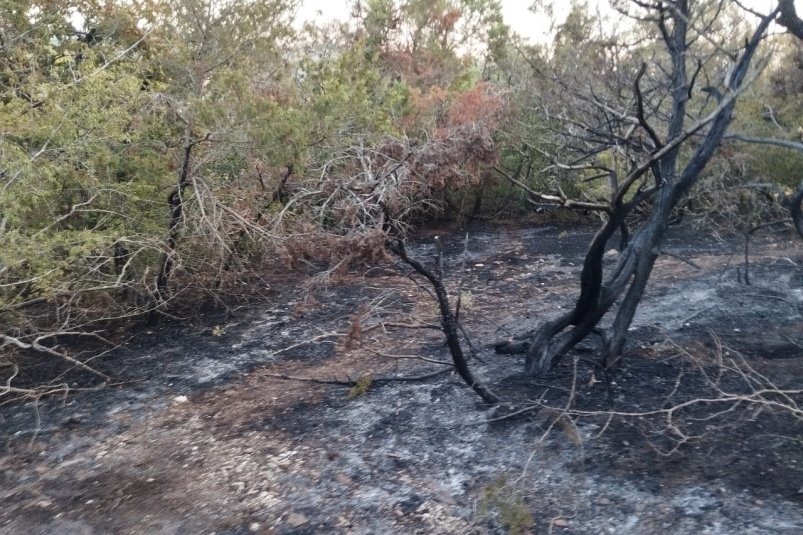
(614, 343)
(175, 201)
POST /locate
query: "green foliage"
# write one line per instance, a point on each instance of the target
(100, 100)
(778, 165)
(91, 128)
(361, 386)
(81, 165)
(512, 511)
(774, 109)
(352, 94)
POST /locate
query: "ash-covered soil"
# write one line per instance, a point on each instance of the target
(211, 430)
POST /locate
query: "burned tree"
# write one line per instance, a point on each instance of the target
(790, 19)
(650, 139)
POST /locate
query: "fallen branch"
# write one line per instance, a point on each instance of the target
(305, 342)
(670, 416)
(681, 259)
(353, 382)
(410, 357)
(401, 326)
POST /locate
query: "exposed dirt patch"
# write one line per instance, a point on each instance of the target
(204, 438)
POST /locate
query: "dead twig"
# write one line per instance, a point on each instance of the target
(384, 325)
(310, 341)
(353, 382)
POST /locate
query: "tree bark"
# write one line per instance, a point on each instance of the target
(789, 18)
(551, 341)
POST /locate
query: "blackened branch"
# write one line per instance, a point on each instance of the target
(448, 323)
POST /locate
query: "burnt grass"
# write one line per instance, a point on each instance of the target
(198, 433)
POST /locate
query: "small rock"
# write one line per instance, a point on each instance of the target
(181, 399)
(560, 523)
(343, 479)
(75, 419)
(445, 497)
(295, 520)
(759, 502)
(253, 528)
(625, 443)
(239, 486)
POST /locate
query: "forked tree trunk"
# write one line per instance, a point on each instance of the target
(554, 338)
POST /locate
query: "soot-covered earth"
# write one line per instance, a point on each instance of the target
(243, 422)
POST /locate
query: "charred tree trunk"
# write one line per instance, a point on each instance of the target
(175, 201)
(279, 194)
(790, 19)
(554, 338)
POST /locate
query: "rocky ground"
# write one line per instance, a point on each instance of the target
(214, 426)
